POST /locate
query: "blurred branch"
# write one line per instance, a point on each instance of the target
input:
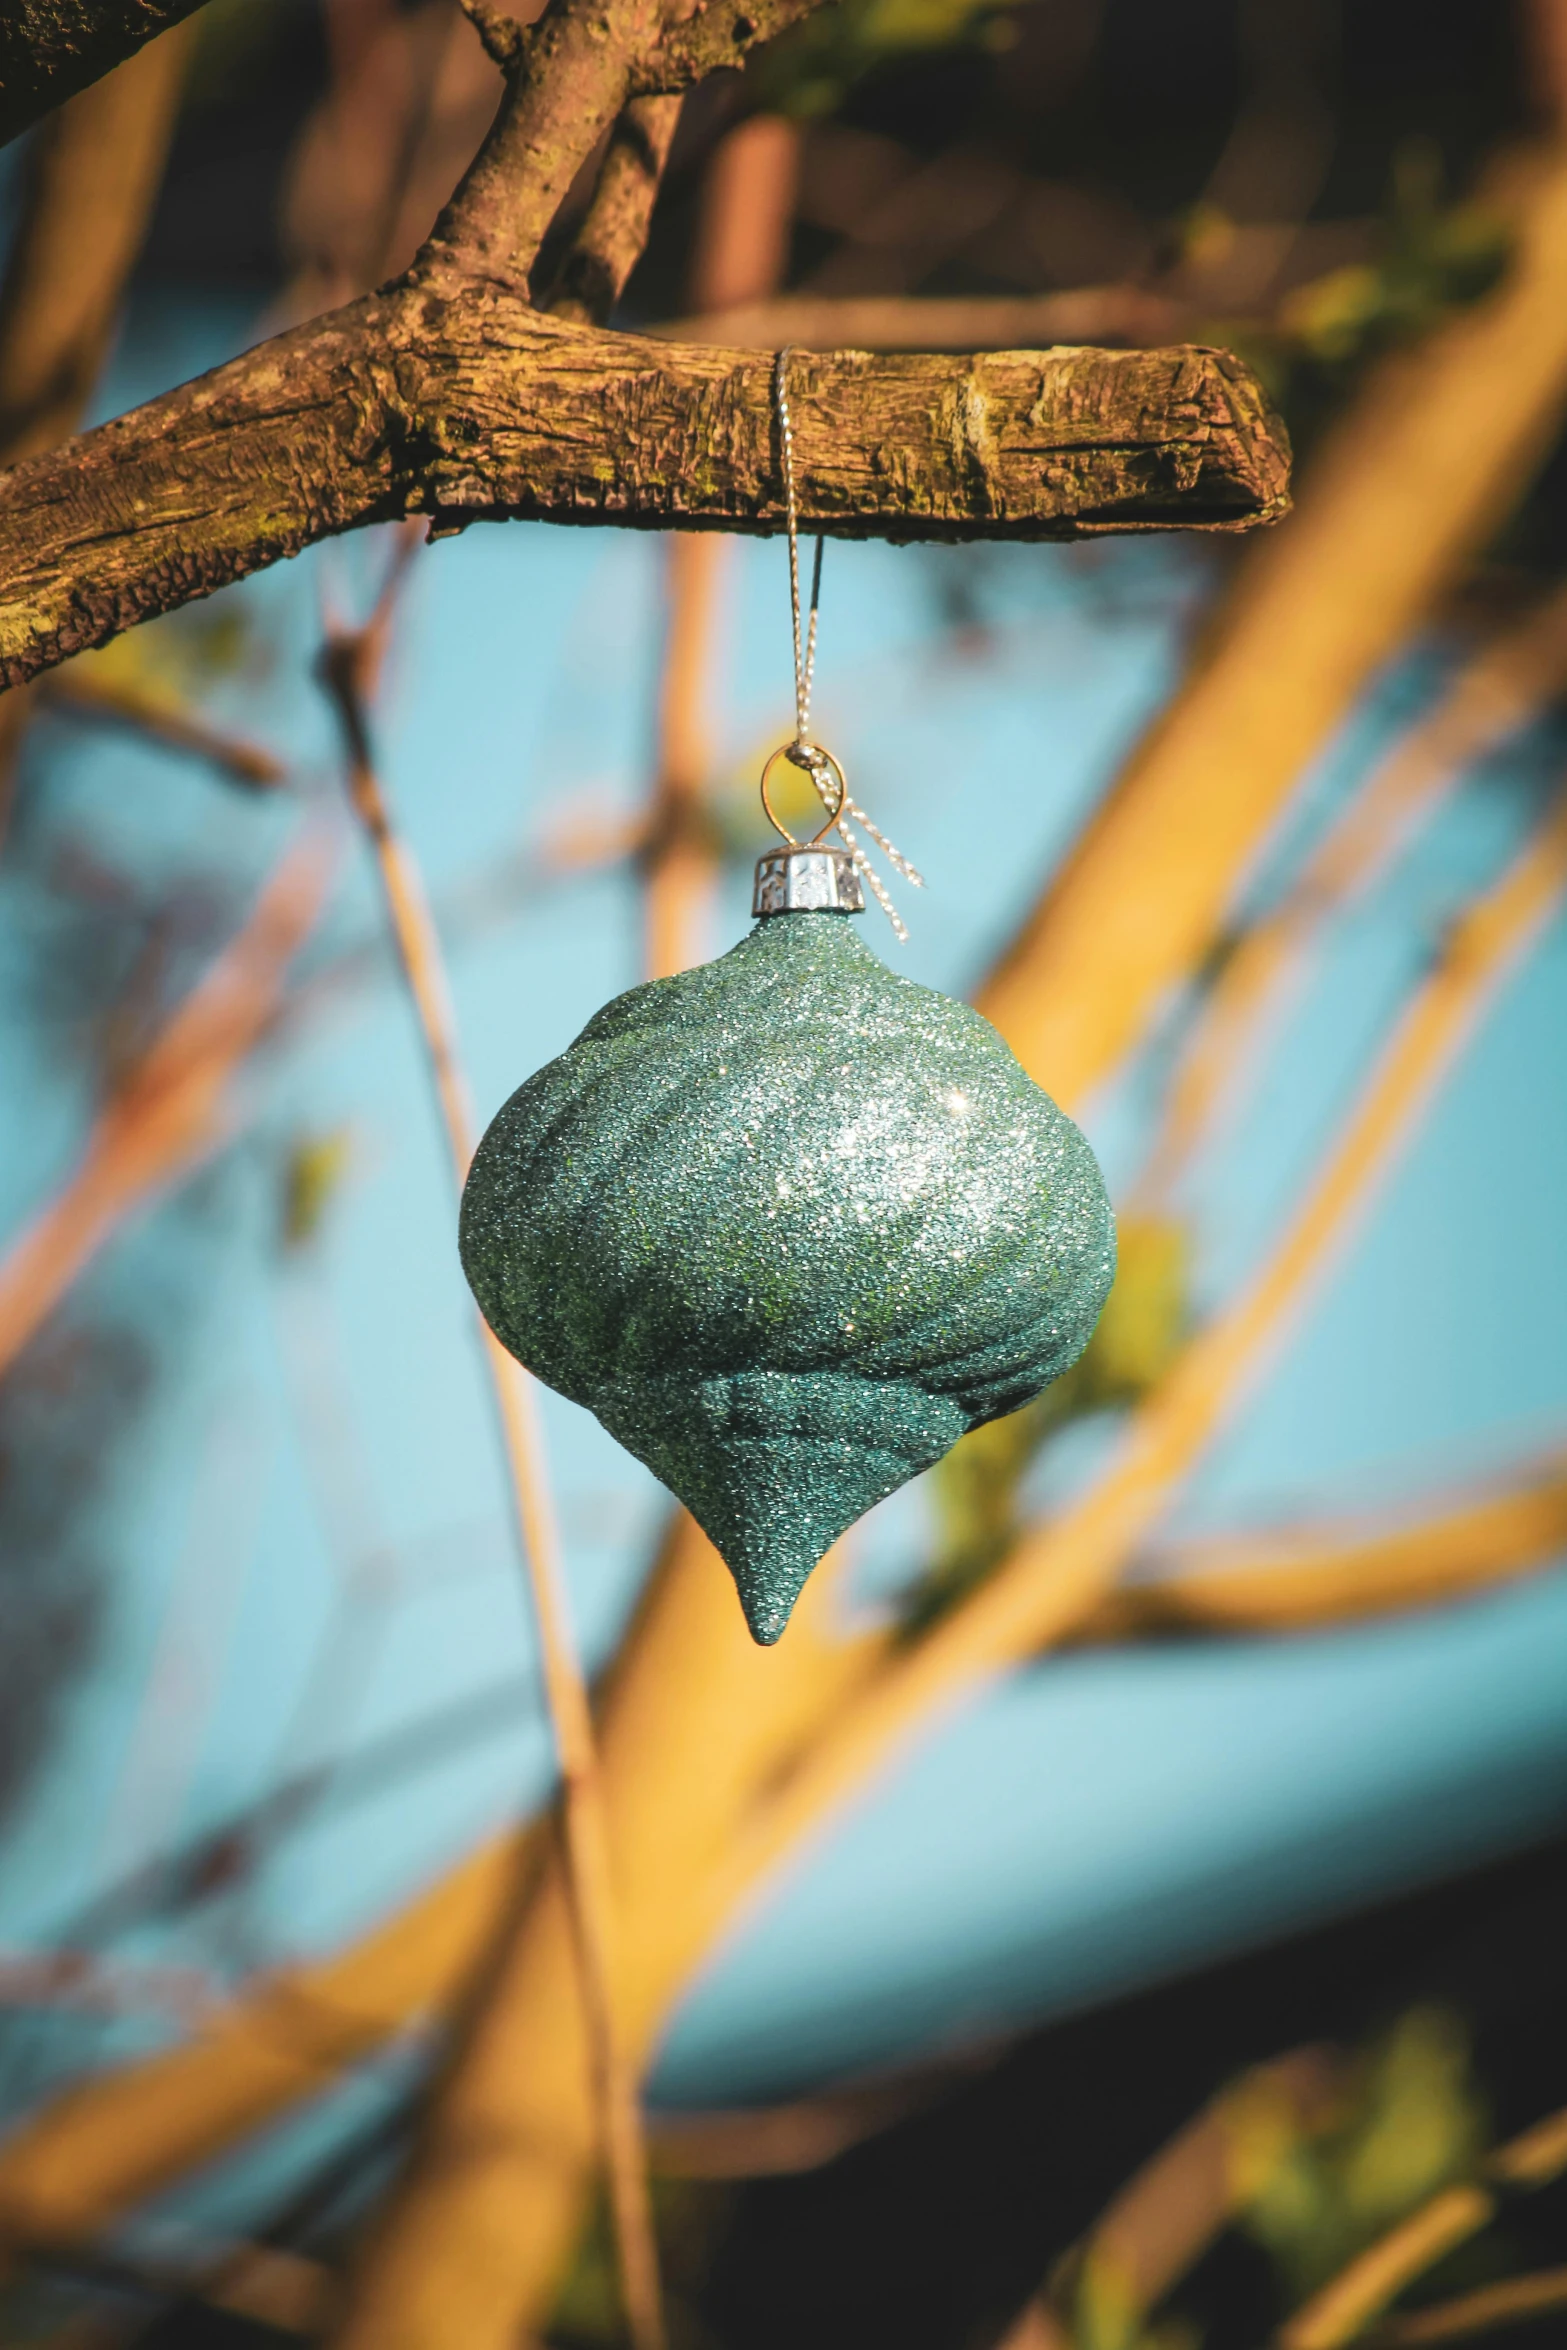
(401, 2272)
(1412, 481)
(74, 2167)
(1182, 2199)
(679, 850)
(87, 1983)
(52, 49)
(74, 692)
(410, 95)
(977, 322)
(70, 2171)
(1545, 23)
(1512, 2302)
(1345, 2308)
(485, 2243)
(171, 1110)
(1510, 682)
(781, 2141)
(1294, 1579)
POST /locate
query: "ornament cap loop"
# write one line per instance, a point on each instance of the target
(812, 758)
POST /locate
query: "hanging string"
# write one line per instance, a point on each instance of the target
(803, 751)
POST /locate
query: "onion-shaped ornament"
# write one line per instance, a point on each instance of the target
(789, 1225)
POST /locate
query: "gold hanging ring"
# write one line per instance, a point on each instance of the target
(791, 751)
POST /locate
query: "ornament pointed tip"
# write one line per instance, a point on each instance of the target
(766, 1611)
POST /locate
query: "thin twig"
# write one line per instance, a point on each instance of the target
(172, 1108)
(1169, 2212)
(1344, 2308)
(74, 693)
(349, 666)
(1507, 2304)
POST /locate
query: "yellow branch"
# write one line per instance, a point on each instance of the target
(498, 2192)
(1511, 2302)
(1291, 1580)
(1345, 2306)
(1182, 2198)
(71, 2170)
(1501, 688)
(1409, 486)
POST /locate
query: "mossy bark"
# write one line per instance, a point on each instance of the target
(462, 403)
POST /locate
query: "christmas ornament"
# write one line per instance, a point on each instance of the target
(789, 1224)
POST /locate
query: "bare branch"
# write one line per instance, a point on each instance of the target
(447, 395)
(50, 49)
(580, 64)
(475, 407)
(74, 693)
(612, 237)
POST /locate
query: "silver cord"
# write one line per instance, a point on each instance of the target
(803, 751)
(804, 659)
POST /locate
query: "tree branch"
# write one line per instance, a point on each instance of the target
(475, 407)
(447, 395)
(610, 242)
(574, 71)
(50, 49)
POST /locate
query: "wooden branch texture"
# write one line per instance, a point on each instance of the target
(50, 49)
(467, 404)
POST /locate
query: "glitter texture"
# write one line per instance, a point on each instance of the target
(790, 1225)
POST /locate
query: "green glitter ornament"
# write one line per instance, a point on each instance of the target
(790, 1226)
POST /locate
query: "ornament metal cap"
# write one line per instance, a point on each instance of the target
(807, 881)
